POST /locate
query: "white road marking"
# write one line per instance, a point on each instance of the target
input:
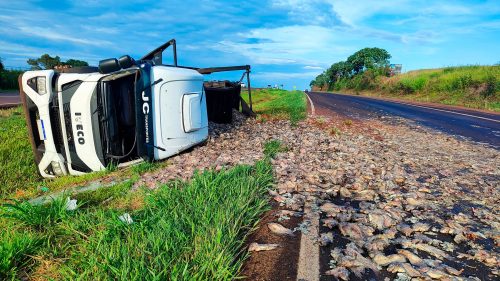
(313, 111)
(448, 111)
(432, 108)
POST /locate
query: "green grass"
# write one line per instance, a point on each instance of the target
(470, 86)
(279, 104)
(15, 249)
(18, 170)
(191, 230)
(273, 147)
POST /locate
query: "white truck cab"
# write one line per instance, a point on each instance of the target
(84, 121)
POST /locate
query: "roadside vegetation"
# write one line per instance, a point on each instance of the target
(470, 86)
(18, 170)
(191, 230)
(367, 72)
(279, 104)
(8, 78)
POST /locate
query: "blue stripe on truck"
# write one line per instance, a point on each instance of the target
(43, 130)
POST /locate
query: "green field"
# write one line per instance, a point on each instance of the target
(469, 86)
(279, 104)
(18, 173)
(182, 231)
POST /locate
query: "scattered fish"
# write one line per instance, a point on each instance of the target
(279, 229)
(255, 247)
(383, 260)
(71, 204)
(126, 218)
(340, 273)
(326, 238)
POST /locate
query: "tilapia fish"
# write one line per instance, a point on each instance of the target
(256, 247)
(279, 229)
(340, 272)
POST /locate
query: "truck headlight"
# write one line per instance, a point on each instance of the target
(41, 85)
(56, 168)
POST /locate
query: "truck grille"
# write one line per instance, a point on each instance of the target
(55, 121)
(69, 128)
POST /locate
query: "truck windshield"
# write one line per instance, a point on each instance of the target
(116, 97)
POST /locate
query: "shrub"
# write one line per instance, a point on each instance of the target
(38, 217)
(490, 86)
(462, 82)
(367, 81)
(449, 69)
(8, 79)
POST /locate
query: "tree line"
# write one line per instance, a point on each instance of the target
(8, 78)
(358, 70)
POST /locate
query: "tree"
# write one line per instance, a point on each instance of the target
(338, 71)
(320, 81)
(48, 62)
(2, 67)
(44, 62)
(368, 58)
(76, 63)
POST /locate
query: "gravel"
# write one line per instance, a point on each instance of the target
(410, 201)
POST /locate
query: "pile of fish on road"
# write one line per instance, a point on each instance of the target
(408, 203)
(413, 203)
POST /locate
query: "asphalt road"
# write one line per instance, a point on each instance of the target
(473, 125)
(9, 99)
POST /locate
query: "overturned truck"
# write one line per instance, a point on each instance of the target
(124, 111)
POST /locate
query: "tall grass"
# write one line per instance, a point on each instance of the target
(472, 86)
(192, 230)
(275, 103)
(18, 170)
(15, 251)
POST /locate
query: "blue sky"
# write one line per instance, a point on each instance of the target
(286, 41)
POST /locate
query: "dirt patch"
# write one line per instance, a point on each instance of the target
(277, 264)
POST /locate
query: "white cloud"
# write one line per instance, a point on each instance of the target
(296, 44)
(319, 12)
(19, 53)
(313, 67)
(359, 13)
(285, 75)
(50, 34)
